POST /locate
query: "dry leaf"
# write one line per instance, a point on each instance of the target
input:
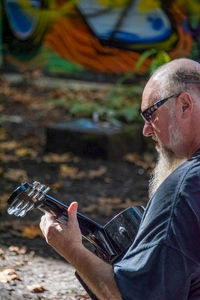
(16, 175)
(109, 200)
(90, 208)
(7, 157)
(71, 172)
(23, 152)
(85, 296)
(7, 275)
(144, 162)
(18, 250)
(32, 231)
(36, 288)
(107, 205)
(97, 173)
(57, 158)
(10, 145)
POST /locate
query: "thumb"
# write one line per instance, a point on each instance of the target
(72, 211)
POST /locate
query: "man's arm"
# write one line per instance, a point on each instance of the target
(66, 239)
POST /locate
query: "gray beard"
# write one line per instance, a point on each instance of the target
(166, 164)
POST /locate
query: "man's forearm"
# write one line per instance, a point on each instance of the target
(97, 274)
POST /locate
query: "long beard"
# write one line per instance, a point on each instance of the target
(166, 164)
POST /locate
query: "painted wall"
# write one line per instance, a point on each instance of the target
(96, 36)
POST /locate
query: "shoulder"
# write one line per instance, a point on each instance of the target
(174, 210)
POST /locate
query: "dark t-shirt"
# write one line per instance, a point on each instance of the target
(163, 263)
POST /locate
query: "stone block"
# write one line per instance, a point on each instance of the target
(85, 137)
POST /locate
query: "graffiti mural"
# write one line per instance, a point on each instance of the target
(97, 36)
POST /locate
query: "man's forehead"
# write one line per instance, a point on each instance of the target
(149, 95)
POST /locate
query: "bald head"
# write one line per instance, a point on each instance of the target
(179, 75)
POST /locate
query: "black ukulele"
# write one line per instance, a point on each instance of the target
(110, 241)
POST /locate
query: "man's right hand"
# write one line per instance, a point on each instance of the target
(64, 238)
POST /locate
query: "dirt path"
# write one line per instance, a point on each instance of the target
(30, 276)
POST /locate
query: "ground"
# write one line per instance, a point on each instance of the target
(29, 268)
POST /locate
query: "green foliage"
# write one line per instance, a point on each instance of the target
(84, 109)
(129, 113)
(143, 57)
(160, 57)
(60, 102)
(121, 104)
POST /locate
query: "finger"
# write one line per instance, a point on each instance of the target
(47, 220)
(43, 221)
(72, 211)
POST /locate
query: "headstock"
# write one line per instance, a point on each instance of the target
(26, 197)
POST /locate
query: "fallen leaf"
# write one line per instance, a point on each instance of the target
(24, 152)
(57, 158)
(10, 145)
(97, 173)
(18, 250)
(106, 205)
(7, 275)
(85, 296)
(32, 231)
(145, 162)
(16, 175)
(71, 172)
(36, 288)
(109, 200)
(14, 249)
(7, 157)
(67, 170)
(90, 208)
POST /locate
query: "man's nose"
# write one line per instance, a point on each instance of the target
(147, 129)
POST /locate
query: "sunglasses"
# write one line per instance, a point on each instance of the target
(148, 112)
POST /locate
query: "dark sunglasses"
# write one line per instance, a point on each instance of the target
(147, 113)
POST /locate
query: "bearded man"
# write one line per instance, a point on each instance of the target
(163, 263)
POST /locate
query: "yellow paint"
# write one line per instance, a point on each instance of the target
(146, 5)
(45, 17)
(114, 3)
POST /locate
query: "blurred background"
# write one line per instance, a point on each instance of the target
(71, 81)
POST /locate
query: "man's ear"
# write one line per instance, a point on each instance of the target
(185, 103)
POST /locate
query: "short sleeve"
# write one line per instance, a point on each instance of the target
(156, 273)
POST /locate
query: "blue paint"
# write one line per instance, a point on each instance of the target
(156, 22)
(18, 19)
(22, 24)
(134, 38)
